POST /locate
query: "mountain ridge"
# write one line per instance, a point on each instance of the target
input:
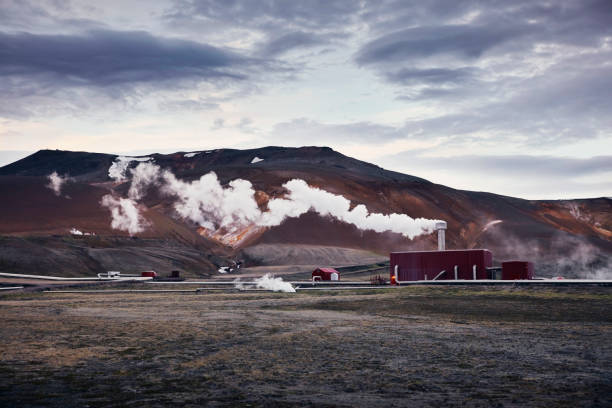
(475, 218)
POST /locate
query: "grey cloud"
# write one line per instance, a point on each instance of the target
(50, 74)
(437, 39)
(267, 14)
(286, 42)
(107, 58)
(412, 43)
(431, 76)
(306, 131)
(188, 105)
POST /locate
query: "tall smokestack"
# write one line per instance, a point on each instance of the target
(441, 228)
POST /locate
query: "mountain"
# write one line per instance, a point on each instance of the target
(571, 237)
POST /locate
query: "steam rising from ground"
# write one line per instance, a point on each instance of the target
(274, 284)
(56, 182)
(206, 202)
(118, 169)
(125, 214)
(266, 282)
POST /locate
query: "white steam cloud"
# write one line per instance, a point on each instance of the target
(75, 231)
(56, 182)
(274, 284)
(302, 198)
(267, 282)
(117, 171)
(125, 214)
(143, 176)
(206, 202)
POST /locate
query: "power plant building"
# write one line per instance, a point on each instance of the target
(441, 265)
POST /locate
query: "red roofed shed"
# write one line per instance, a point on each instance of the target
(325, 274)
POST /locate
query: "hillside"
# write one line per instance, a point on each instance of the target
(572, 237)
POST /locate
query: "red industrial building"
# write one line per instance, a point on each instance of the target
(325, 274)
(148, 274)
(463, 264)
(440, 265)
(513, 270)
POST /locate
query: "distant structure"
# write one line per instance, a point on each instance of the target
(441, 265)
(325, 274)
(461, 264)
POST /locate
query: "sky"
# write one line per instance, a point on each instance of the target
(511, 97)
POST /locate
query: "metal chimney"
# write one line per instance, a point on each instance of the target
(441, 228)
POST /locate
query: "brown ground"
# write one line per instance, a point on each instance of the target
(397, 347)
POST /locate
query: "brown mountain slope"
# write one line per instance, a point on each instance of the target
(571, 236)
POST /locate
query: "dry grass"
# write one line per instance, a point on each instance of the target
(406, 347)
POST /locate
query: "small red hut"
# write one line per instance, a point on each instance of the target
(325, 274)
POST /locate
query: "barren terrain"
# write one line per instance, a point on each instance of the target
(572, 238)
(414, 346)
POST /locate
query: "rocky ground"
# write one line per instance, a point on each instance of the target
(412, 346)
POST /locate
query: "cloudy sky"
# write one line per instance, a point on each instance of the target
(512, 97)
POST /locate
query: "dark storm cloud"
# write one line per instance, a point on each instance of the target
(109, 58)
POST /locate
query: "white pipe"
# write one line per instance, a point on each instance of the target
(474, 271)
(425, 277)
(397, 274)
(438, 275)
(456, 270)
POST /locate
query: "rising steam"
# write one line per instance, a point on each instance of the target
(56, 182)
(125, 214)
(207, 203)
(303, 198)
(267, 282)
(117, 171)
(274, 284)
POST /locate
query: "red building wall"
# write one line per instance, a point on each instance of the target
(512, 270)
(415, 265)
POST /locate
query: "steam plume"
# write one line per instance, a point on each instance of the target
(143, 176)
(56, 182)
(125, 214)
(303, 198)
(206, 202)
(265, 282)
(274, 284)
(118, 169)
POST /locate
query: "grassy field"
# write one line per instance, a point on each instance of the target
(412, 346)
